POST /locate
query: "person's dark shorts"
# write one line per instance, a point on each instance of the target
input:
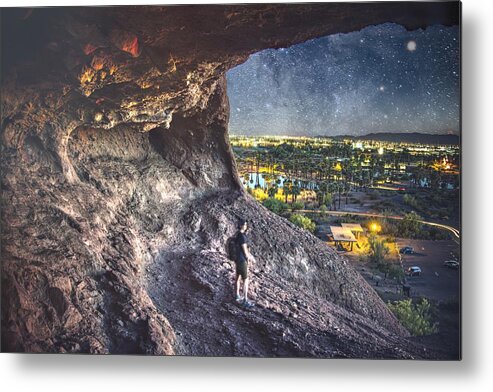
(242, 269)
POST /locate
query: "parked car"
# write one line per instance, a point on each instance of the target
(414, 271)
(406, 250)
(451, 264)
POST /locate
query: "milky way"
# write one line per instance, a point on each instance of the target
(380, 79)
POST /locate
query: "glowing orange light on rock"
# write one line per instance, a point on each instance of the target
(87, 75)
(131, 46)
(126, 41)
(97, 63)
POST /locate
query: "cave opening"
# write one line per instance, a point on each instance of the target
(120, 189)
(380, 79)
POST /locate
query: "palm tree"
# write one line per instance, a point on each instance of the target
(286, 189)
(333, 188)
(321, 191)
(257, 178)
(295, 192)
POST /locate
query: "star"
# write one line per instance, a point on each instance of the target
(411, 46)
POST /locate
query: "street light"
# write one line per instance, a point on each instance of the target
(375, 227)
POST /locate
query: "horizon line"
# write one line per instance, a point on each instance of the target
(458, 134)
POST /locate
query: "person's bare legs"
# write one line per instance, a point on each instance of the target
(237, 285)
(245, 289)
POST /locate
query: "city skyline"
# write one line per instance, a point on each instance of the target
(380, 79)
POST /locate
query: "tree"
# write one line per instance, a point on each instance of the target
(321, 192)
(410, 225)
(303, 222)
(331, 190)
(267, 180)
(274, 205)
(395, 271)
(348, 175)
(286, 189)
(415, 318)
(295, 192)
(327, 200)
(297, 205)
(435, 179)
(272, 191)
(378, 250)
(257, 172)
(410, 200)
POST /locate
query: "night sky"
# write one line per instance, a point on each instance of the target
(380, 79)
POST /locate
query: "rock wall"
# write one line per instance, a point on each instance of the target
(119, 188)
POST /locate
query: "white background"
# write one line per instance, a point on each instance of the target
(473, 373)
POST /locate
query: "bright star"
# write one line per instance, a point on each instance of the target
(411, 46)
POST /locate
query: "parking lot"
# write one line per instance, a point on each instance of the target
(436, 281)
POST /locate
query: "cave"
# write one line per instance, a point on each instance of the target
(120, 190)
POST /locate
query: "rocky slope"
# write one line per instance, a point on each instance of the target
(119, 189)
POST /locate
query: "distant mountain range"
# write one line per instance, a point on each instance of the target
(414, 137)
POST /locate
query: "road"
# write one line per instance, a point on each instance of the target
(453, 230)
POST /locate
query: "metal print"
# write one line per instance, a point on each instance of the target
(262, 180)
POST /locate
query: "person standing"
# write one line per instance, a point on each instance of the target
(243, 257)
